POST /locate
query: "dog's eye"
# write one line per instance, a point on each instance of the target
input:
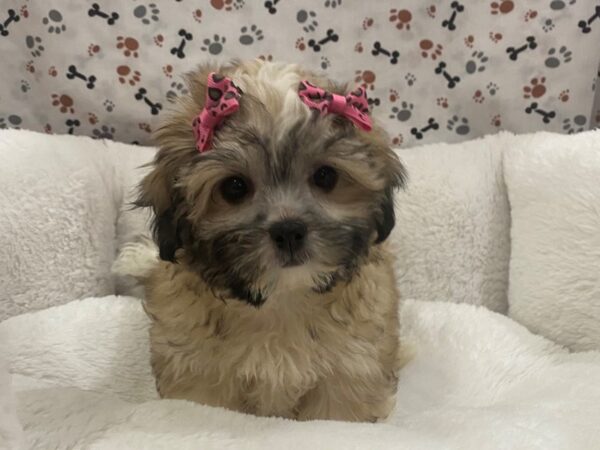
(234, 189)
(325, 178)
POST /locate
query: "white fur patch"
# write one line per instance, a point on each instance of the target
(136, 259)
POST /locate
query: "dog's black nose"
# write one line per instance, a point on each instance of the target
(288, 235)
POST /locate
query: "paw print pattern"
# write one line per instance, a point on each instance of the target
(109, 106)
(459, 125)
(308, 20)
(477, 63)
(147, 14)
(129, 46)
(250, 35)
(103, 132)
(366, 78)
(536, 88)
(34, 44)
(576, 124)
(556, 58)
(548, 25)
(331, 3)
(502, 7)
(401, 18)
(54, 22)
(128, 76)
(63, 102)
(213, 46)
(429, 49)
(492, 88)
(410, 79)
(325, 63)
(404, 113)
(177, 89)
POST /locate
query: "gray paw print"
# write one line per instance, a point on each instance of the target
(575, 125)
(403, 113)
(548, 25)
(476, 63)
(176, 90)
(555, 58)
(250, 35)
(214, 46)
(410, 79)
(25, 86)
(13, 121)
(308, 19)
(108, 105)
(460, 126)
(54, 20)
(104, 132)
(492, 88)
(147, 14)
(325, 63)
(34, 43)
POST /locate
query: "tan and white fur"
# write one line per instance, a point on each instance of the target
(237, 322)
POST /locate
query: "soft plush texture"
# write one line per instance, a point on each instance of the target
(11, 433)
(452, 223)
(477, 380)
(61, 198)
(554, 189)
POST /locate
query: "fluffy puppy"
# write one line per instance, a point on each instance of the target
(274, 295)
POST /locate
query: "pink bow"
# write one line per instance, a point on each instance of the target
(353, 106)
(222, 100)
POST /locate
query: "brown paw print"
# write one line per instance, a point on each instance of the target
(394, 95)
(564, 96)
(366, 78)
(48, 128)
(496, 120)
(495, 37)
(52, 71)
(168, 70)
(300, 45)
(265, 57)
(197, 15)
(401, 17)
(431, 11)
(478, 96)
(126, 75)
(129, 46)
(470, 41)
(145, 127)
(502, 7)
(93, 49)
(429, 49)
(29, 67)
(530, 15)
(63, 102)
(442, 101)
(159, 40)
(536, 89)
(398, 140)
(367, 23)
(227, 5)
(24, 11)
(92, 118)
(358, 48)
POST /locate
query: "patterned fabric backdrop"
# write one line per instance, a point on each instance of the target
(435, 70)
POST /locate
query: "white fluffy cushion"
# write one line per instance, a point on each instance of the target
(452, 228)
(60, 198)
(554, 190)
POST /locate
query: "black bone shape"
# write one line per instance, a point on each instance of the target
(373, 101)
(378, 49)
(316, 45)
(154, 107)
(95, 11)
(12, 17)
(431, 125)
(73, 73)
(546, 115)
(456, 8)
(270, 5)
(585, 25)
(452, 80)
(514, 51)
(185, 37)
(72, 124)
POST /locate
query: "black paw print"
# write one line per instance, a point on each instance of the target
(476, 63)
(104, 132)
(213, 46)
(403, 113)
(308, 19)
(459, 126)
(556, 58)
(332, 3)
(54, 22)
(249, 35)
(147, 13)
(34, 43)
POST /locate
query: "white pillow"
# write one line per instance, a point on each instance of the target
(554, 190)
(60, 198)
(452, 224)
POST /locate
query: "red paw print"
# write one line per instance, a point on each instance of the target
(402, 18)
(52, 71)
(536, 89)
(126, 75)
(358, 48)
(63, 102)
(429, 49)
(300, 45)
(129, 46)
(366, 78)
(503, 7)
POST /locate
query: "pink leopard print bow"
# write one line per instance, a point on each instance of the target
(222, 100)
(353, 106)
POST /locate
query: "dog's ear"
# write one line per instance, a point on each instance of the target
(396, 178)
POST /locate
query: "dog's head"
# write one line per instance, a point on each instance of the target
(284, 197)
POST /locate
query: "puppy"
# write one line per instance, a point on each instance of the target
(272, 199)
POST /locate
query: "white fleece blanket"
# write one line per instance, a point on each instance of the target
(477, 381)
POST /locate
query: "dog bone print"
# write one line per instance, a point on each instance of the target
(154, 107)
(73, 73)
(456, 8)
(185, 37)
(316, 45)
(270, 5)
(546, 115)
(71, 125)
(452, 80)
(378, 49)
(95, 11)
(514, 51)
(431, 125)
(585, 25)
(12, 17)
